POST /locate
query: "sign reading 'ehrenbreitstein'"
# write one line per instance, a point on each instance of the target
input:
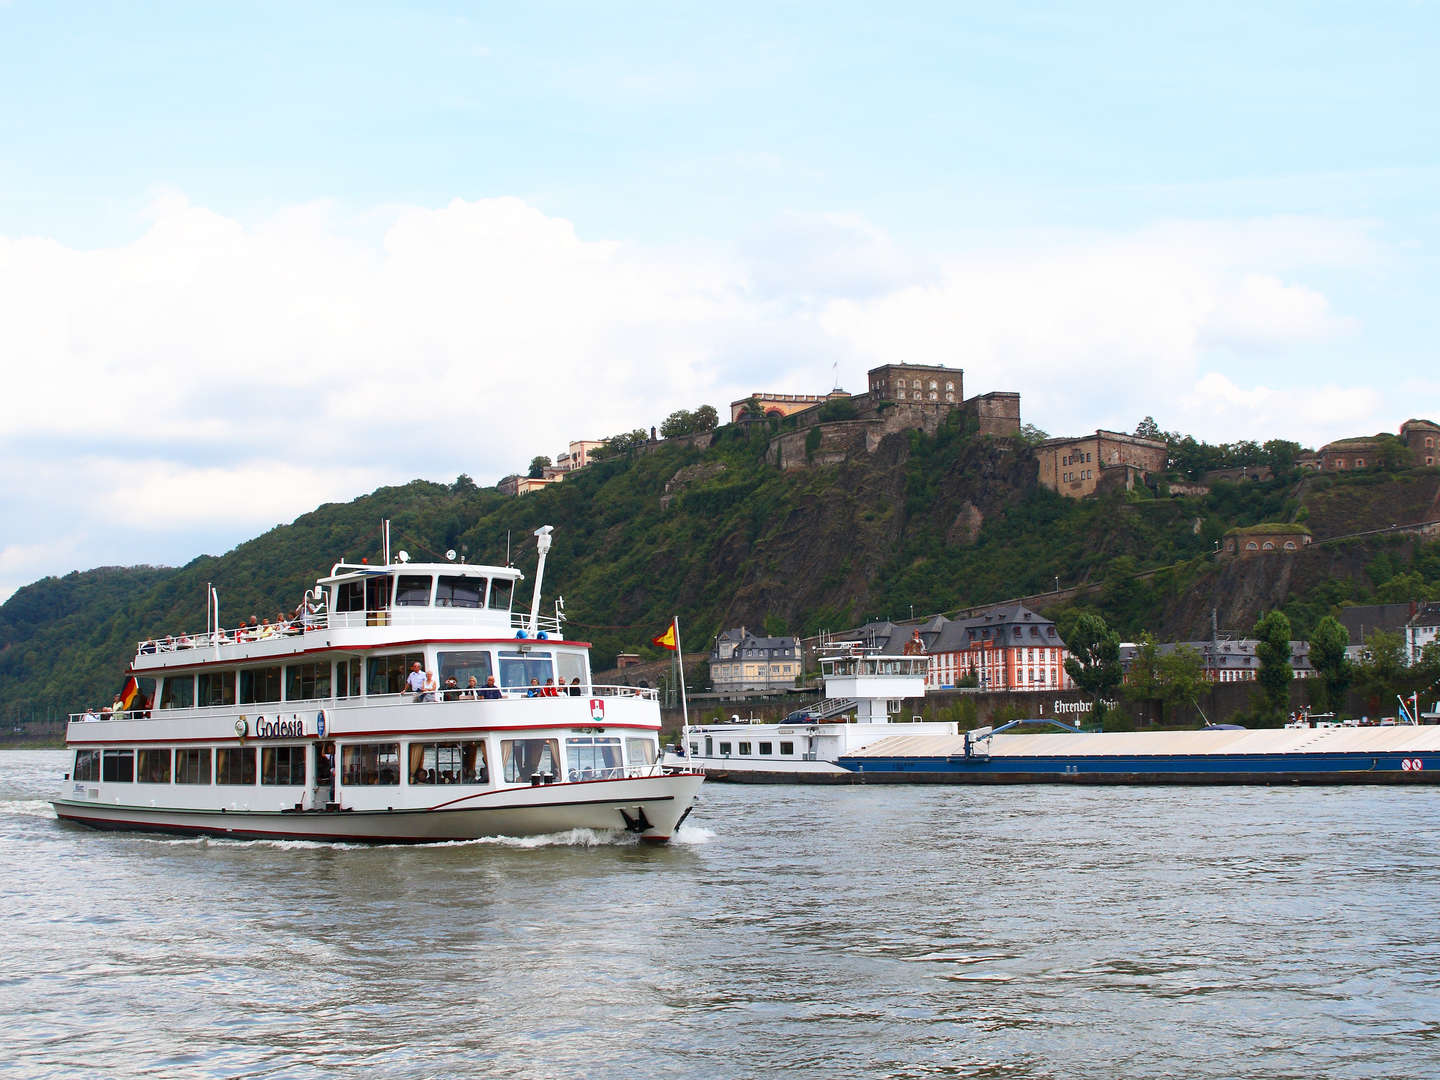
(1063, 707)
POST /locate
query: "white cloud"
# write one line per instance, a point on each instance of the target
(219, 374)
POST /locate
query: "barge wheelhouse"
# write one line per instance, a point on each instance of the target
(404, 702)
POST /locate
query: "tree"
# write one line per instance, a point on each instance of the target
(1391, 453)
(1280, 455)
(537, 467)
(680, 422)
(1032, 435)
(1182, 678)
(1272, 698)
(464, 485)
(1327, 656)
(627, 442)
(1148, 429)
(706, 418)
(1094, 661)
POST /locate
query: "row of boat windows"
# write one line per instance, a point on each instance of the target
(424, 590)
(764, 748)
(459, 761)
(344, 678)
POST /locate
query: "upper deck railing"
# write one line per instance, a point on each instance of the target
(504, 623)
(442, 697)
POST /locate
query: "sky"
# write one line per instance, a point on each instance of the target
(258, 257)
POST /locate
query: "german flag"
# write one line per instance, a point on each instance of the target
(667, 640)
(129, 693)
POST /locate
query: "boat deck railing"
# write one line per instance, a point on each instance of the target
(442, 697)
(503, 622)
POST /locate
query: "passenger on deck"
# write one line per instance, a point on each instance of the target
(490, 692)
(432, 687)
(471, 691)
(90, 714)
(117, 707)
(534, 689)
(575, 686)
(452, 689)
(550, 689)
(415, 681)
(266, 630)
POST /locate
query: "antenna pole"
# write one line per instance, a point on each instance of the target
(542, 543)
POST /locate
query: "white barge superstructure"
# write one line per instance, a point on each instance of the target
(864, 691)
(310, 728)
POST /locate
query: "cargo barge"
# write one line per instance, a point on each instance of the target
(1401, 754)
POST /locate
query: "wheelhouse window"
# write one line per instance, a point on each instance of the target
(217, 688)
(570, 666)
(307, 682)
(235, 765)
(413, 590)
(593, 758)
(177, 692)
(192, 766)
(371, 764)
(500, 591)
(766, 748)
(350, 596)
(459, 762)
(640, 751)
(386, 674)
(744, 748)
(462, 592)
(259, 685)
(283, 765)
(118, 766)
(153, 766)
(787, 748)
(464, 665)
(87, 765)
(522, 759)
(517, 668)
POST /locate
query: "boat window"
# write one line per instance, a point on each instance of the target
(571, 666)
(466, 592)
(461, 762)
(306, 682)
(523, 758)
(235, 765)
(387, 673)
(282, 765)
(347, 678)
(371, 764)
(694, 749)
(744, 748)
(593, 758)
(765, 747)
(177, 692)
(517, 669)
(787, 748)
(87, 765)
(462, 666)
(500, 591)
(350, 596)
(413, 590)
(217, 688)
(640, 751)
(153, 766)
(192, 766)
(118, 765)
(259, 685)
(724, 748)
(377, 593)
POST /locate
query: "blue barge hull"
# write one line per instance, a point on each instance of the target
(1398, 755)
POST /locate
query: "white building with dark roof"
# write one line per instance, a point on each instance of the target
(742, 661)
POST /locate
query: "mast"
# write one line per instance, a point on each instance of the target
(542, 544)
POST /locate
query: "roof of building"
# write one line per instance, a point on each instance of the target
(1268, 528)
(1364, 619)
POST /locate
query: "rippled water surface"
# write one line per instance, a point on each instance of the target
(865, 931)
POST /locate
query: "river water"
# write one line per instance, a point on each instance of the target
(815, 932)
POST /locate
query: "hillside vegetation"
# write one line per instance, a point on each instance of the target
(722, 538)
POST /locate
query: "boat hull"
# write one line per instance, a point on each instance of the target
(651, 807)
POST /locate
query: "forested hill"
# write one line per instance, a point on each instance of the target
(722, 537)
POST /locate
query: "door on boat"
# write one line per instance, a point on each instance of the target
(322, 769)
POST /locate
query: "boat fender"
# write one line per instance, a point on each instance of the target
(521, 634)
(543, 636)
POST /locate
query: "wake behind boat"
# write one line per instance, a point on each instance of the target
(403, 703)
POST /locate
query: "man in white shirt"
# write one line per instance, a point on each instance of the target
(415, 681)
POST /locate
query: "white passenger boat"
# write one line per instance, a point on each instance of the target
(306, 729)
(864, 696)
